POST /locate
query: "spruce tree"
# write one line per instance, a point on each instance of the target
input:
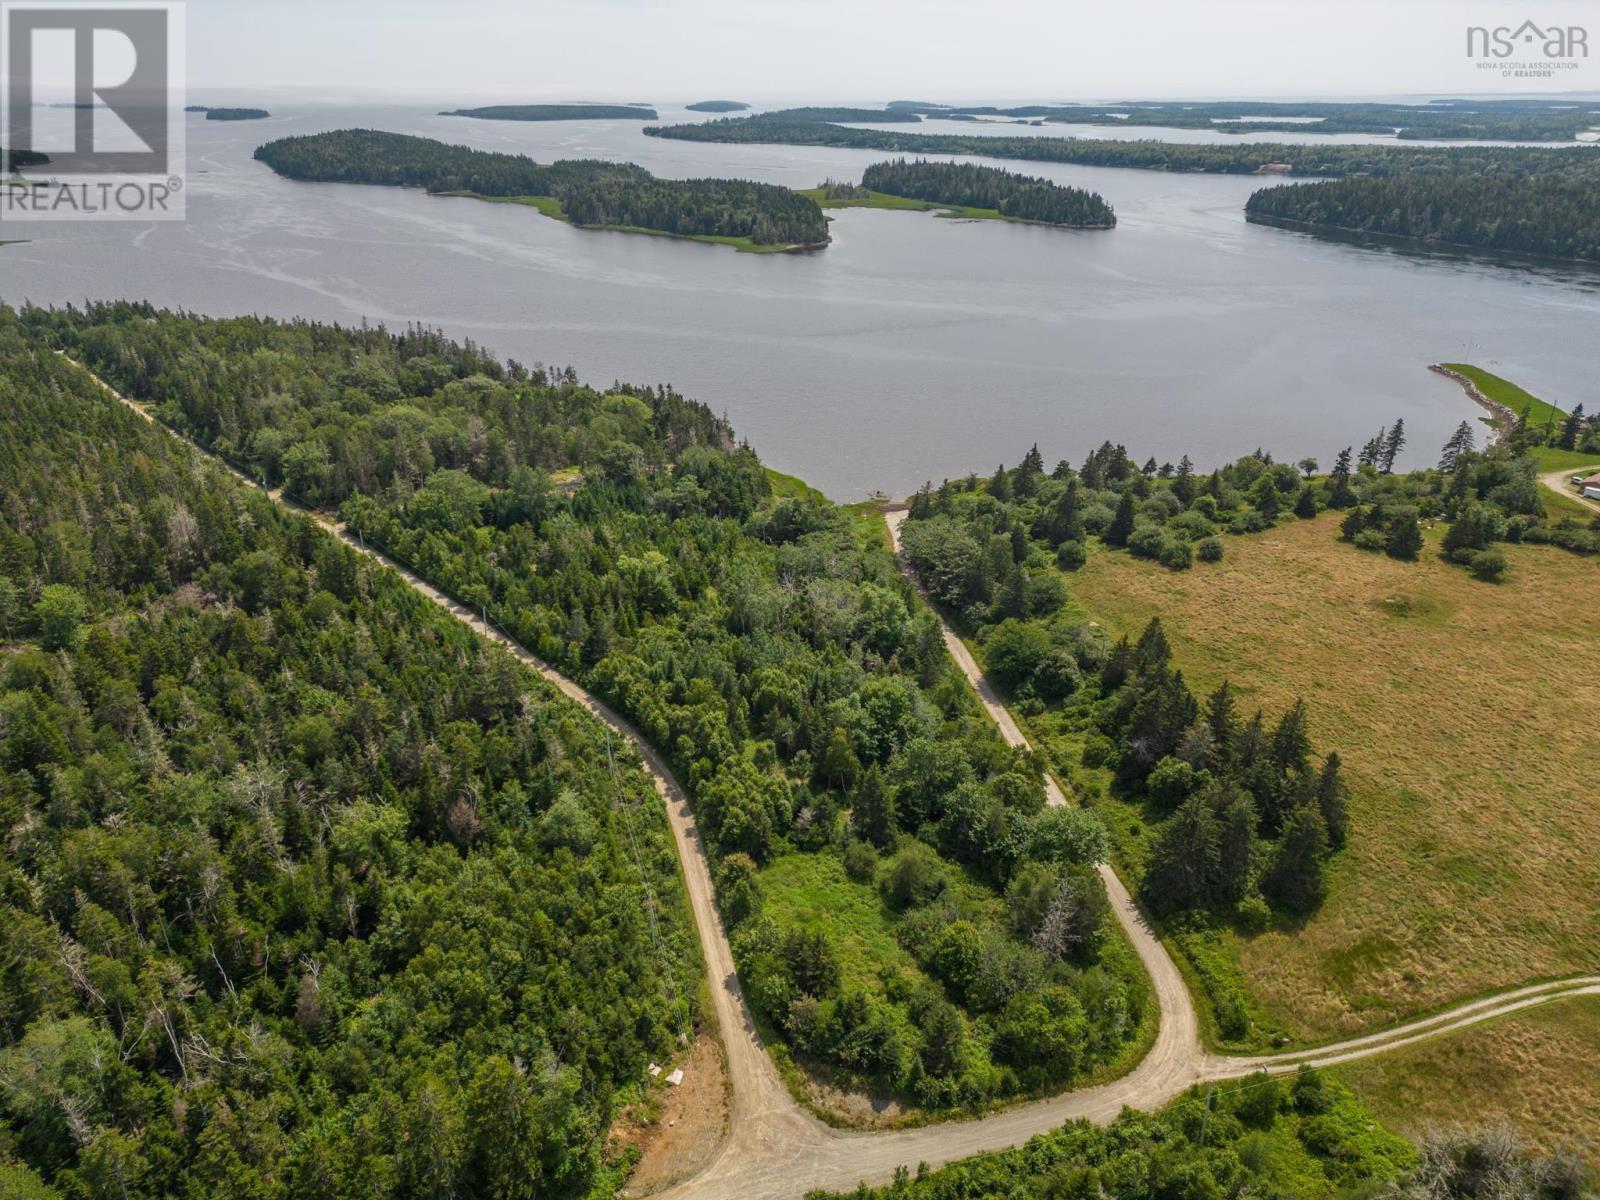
(1294, 883)
(1333, 801)
(1405, 538)
(1393, 443)
(1122, 524)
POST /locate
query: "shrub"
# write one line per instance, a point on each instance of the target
(1254, 915)
(1249, 521)
(1209, 549)
(1172, 782)
(1097, 751)
(1070, 556)
(1370, 539)
(860, 862)
(1176, 555)
(1488, 565)
(1148, 541)
(915, 877)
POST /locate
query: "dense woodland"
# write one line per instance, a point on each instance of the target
(766, 643)
(590, 192)
(717, 106)
(16, 160)
(236, 114)
(1020, 196)
(1556, 217)
(308, 891)
(556, 112)
(1300, 1136)
(1245, 158)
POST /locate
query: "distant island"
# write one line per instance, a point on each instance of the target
(17, 159)
(965, 190)
(760, 217)
(717, 106)
(233, 114)
(556, 112)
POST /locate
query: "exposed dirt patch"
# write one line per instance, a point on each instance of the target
(677, 1130)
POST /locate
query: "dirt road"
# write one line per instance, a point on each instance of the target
(1556, 481)
(777, 1151)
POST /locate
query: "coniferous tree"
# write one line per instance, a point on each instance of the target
(1460, 443)
(1393, 443)
(1333, 801)
(1121, 526)
(872, 812)
(1340, 493)
(1183, 484)
(1570, 429)
(1405, 538)
(1294, 880)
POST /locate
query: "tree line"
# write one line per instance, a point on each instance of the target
(309, 891)
(1554, 217)
(1244, 158)
(966, 184)
(590, 192)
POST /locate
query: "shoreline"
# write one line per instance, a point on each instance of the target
(1421, 243)
(890, 202)
(1502, 418)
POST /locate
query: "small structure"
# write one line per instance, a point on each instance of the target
(1590, 487)
(655, 1071)
(676, 1077)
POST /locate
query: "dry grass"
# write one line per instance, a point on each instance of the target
(1538, 1070)
(1466, 716)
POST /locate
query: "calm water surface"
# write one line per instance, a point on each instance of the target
(914, 347)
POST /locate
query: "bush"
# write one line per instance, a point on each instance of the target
(1370, 539)
(915, 876)
(1148, 541)
(1209, 549)
(1172, 782)
(1097, 751)
(1249, 521)
(1070, 556)
(860, 862)
(1488, 565)
(1254, 915)
(1176, 555)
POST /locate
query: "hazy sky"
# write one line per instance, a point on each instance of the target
(945, 50)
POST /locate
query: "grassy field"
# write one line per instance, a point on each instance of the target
(1464, 713)
(1539, 1070)
(1503, 391)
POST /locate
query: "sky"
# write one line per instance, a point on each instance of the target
(951, 51)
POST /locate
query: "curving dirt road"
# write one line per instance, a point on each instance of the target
(776, 1150)
(1556, 481)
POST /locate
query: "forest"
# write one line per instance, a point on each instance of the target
(1553, 217)
(765, 642)
(1304, 1135)
(717, 106)
(1021, 197)
(1246, 158)
(590, 192)
(308, 890)
(15, 160)
(556, 112)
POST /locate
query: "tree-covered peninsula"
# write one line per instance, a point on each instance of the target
(717, 106)
(1556, 218)
(589, 193)
(1018, 197)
